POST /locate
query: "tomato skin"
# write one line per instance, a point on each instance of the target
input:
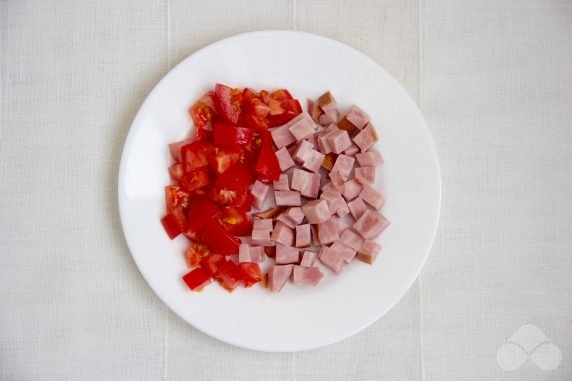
(194, 253)
(228, 102)
(250, 273)
(281, 95)
(267, 165)
(226, 134)
(238, 177)
(174, 222)
(175, 149)
(194, 180)
(235, 221)
(210, 263)
(195, 155)
(228, 275)
(217, 239)
(200, 211)
(291, 108)
(259, 125)
(196, 279)
(245, 203)
(176, 171)
(204, 135)
(222, 158)
(175, 197)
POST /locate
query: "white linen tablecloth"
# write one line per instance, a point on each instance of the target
(494, 80)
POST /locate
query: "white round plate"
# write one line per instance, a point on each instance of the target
(297, 318)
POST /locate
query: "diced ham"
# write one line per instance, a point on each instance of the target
(351, 150)
(269, 213)
(328, 117)
(306, 182)
(369, 159)
(328, 231)
(322, 139)
(261, 230)
(339, 141)
(259, 191)
(368, 251)
(351, 239)
(336, 202)
(308, 258)
(295, 214)
(327, 102)
(372, 197)
(315, 239)
(282, 136)
(314, 110)
(303, 235)
(284, 159)
(314, 161)
(366, 138)
(357, 208)
(365, 175)
(282, 234)
(316, 211)
(351, 189)
(344, 165)
(331, 259)
(302, 151)
(371, 224)
(287, 198)
(306, 276)
(328, 162)
(248, 253)
(286, 220)
(357, 117)
(330, 188)
(346, 252)
(282, 183)
(337, 180)
(277, 276)
(286, 254)
(302, 127)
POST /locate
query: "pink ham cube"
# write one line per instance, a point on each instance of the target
(372, 197)
(366, 138)
(365, 175)
(331, 259)
(303, 235)
(371, 224)
(282, 234)
(287, 198)
(314, 161)
(282, 183)
(286, 254)
(306, 182)
(368, 251)
(282, 136)
(339, 141)
(343, 165)
(302, 151)
(357, 117)
(351, 189)
(316, 211)
(328, 231)
(284, 159)
(351, 239)
(247, 253)
(351, 150)
(306, 276)
(346, 252)
(308, 258)
(261, 230)
(303, 127)
(295, 214)
(357, 208)
(277, 276)
(369, 159)
(259, 192)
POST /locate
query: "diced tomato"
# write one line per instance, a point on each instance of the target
(245, 203)
(201, 112)
(195, 155)
(197, 279)
(235, 221)
(259, 108)
(222, 158)
(248, 95)
(228, 275)
(195, 179)
(194, 253)
(258, 124)
(281, 94)
(251, 273)
(176, 171)
(217, 239)
(226, 134)
(228, 102)
(237, 178)
(204, 135)
(175, 197)
(291, 109)
(174, 222)
(200, 211)
(210, 263)
(175, 148)
(267, 165)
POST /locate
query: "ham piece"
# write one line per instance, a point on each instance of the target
(277, 277)
(306, 276)
(371, 224)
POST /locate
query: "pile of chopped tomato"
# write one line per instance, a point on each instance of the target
(212, 171)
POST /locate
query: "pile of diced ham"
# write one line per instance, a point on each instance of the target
(325, 204)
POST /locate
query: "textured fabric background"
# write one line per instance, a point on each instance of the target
(494, 80)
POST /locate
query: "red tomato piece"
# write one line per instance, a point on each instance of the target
(251, 273)
(222, 158)
(267, 165)
(194, 253)
(259, 108)
(200, 210)
(217, 239)
(175, 197)
(245, 203)
(202, 111)
(281, 94)
(176, 171)
(226, 134)
(210, 263)
(175, 149)
(248, 95)
(197, 279)
(174, 222)
(195, 155)
(228, 102)
(235, 221)
(237, 178)
(195, 179)
(257, 124)
(228, 275)
(291, 109)
(204, 135)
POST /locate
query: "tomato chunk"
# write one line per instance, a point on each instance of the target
(195, 179)
(267, 165)
(203, 110)
(251, 273)
(174, 222)
(195, 155)
(217, 239)
(226, 134)
(210, 263)
(176, 171)
(228, 275)
(197, 279)
(235, 221)
(291, 109)
(200, 211)
(228, 102)
(175, 197)
(281, 95)
(237, 178)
